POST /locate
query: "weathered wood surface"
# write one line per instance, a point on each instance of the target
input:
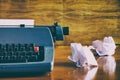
(88, 20)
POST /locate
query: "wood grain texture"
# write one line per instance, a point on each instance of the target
(88, 20)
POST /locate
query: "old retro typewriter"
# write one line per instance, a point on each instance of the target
(27, 49)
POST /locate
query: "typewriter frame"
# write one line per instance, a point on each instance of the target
(10, 35)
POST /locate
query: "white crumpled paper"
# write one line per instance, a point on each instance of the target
(82, 56)
(105, 47)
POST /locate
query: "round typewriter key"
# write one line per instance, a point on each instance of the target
(36, 48)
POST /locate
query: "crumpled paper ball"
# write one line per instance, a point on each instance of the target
(82, 56)
(105, 47)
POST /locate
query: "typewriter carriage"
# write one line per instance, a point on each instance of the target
(23, 35)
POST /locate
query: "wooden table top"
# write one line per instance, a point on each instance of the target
(108, 68)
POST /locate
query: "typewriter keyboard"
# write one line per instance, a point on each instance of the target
(21, 53)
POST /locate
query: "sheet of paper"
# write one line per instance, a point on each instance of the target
(16, 22)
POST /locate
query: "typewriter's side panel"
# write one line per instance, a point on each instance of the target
(49, 59)
(40, 36)
(48, 63)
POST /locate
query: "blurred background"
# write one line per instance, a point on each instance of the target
(88, 20)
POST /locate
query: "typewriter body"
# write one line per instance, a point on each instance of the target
(26, 49)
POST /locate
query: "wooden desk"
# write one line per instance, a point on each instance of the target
(108, 69)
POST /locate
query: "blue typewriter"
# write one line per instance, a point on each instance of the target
(27, 49)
